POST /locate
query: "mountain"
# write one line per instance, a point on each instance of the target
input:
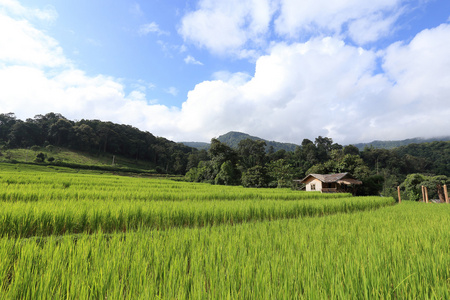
(395, 144)
(233, 138)
(197, 145)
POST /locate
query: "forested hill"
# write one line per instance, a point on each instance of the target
(233, 138)
(395, 144)
(94, 136)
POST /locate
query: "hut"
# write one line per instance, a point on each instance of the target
(330, 183)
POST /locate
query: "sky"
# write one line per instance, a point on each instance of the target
(190, 70)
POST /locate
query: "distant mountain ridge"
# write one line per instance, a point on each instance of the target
(197, 145)
(395, 144)
(233, 138)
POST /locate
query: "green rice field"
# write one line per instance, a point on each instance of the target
(101, 236)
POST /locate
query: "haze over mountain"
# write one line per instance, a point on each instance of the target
(395, 144)
(233, 138)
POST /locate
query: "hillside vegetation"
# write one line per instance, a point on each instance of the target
(395, 144)
(67, 157)
(103, 139)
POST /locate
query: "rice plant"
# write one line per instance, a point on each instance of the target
(396, 252)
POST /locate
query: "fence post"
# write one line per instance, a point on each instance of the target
(426, 193)
(399, 197)
(423, 194)
(446, 193)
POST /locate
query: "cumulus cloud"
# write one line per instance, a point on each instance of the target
(244, 27)
(323, 15)
(22, 43)
(372, 27)
(289, 97)
(226, 26)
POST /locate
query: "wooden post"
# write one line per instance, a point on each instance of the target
(446, 193)
(426, 193)
(399, 197)
(423, 193)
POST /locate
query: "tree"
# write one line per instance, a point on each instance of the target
(372, 185)
(220, 153)
(23, 134)
(323, 145)
(282, 172)
(227, 174)
(85, 136)
(60, 132)
(6, 123)
(251, 153)
(413, 186)
(351, 149)
(255, 177)
(40, 157)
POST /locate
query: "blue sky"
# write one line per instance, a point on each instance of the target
(283, 70)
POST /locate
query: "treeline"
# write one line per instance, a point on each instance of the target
(381, 170)
(94, 136)
(248, 164)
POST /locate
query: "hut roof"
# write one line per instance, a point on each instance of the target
(344, 178)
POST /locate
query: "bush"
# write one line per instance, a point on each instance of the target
(40, 158)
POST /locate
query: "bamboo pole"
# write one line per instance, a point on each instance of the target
(399, 197)
(446, 193)
(426, 193)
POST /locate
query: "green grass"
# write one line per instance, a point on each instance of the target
(63, 155)
(19, 219)
(397, 252)
(45, 203)
(93, 235)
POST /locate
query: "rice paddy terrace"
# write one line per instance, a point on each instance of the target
(92, 235)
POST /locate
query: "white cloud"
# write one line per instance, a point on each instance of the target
(13, 7)
(223, 26)
(371, 28)
(152, 27)
(23, 44)
(323, 15)
(190, 60)
(243, 28)
(299, 90)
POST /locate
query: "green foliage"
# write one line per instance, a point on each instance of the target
(40, 157)
(255, 177)
(413, 186)
(95, 137)
(372, 185)
(282, 172)
(251, 153)
(414, 182)
(228, 175)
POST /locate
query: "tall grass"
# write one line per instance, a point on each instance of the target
(24, 219)
(45, 186)
(397, 252)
